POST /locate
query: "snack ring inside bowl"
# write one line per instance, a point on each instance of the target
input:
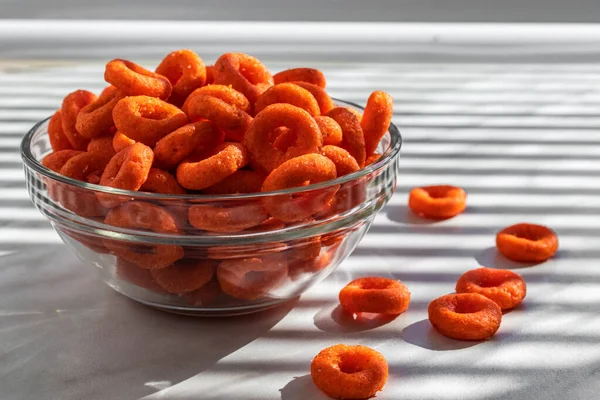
(252, 278)
(145, 216)
(244, 73)
(186, 72)
(353, 139)
(288, 93)
(134, 80)
(257, 139)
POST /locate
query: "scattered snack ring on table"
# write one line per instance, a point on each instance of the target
(313, 168)
(353, 139)
(438, 202)
(147, 119)
(71, 106)
(465, 316)
(375, 295)
(244, 73)
(96, 118)
(349, 372)
(185, 275)
(308, 75)
(527, 242)
(205, 168)
(263, 155)
(252, 278)
(134, 80)
(503, 286)
(127, 170)
(376, 119)
(288, 93)
(141, 215)
(58, 139)
(186, 72)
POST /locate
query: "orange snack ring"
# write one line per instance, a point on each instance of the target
(184, 276)
(210, 74)
(306, 249)
(134, 80)
(372, 158)
(159, 181)
(313, 168)
(127, 170)
(225, 93)
(71, 106)
(137, 276)
(344, 163)
(96, 118)
(55, 161)
(288, 93)
(121, 141)
(503, 286)
(140, 215)
(263, 155)
(244, 73)
(438, 202)
(376, 119)
(227, 117)
(204, 169)
(186, 72)
(527, 242)
(83, 165)
(284, 138)
(349, 372)
(465, 316)
(103, 147)
(325, 102)
(240, 181)
(375, 295)
(251, 278)
(58, 139)
(229, 252)
(331, 130)
(352, 135)
(308, 75)
(172, 149)
(349, 195)
(147, 119)
(206, 295)
(226, 219)
(356, 113)
(297, 267)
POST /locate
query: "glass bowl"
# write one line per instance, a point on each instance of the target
(242, 260)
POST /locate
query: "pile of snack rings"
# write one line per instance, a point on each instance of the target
(235, 128)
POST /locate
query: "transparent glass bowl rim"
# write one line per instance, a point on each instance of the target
(388, 156)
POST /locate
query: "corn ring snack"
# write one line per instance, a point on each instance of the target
(284, 138)
(352, 135)
(437, 202)
(120, 141)
(137, 276)
(372, 158)
(465, 316)
(134, 80)
(502, 286)
(103, 147)
(226, 219)
(146, 119)
(172, 149)
(210, 74)
(263, 155)
(96, 118)
(308, 75)
(127, 170)
(56, 160)
(313, 168)
(227, 117)
(344, 163)
(244, 73)
(206, 295)
(225, 93)
(159, 181)
(205, 168)
(376, 119)
(527, 242)
(140, 215)
(71, 106)
(186, 72)
(349, 372)
(58, 139)
(330, 130)
(240, 181)
(84, 165)
(288, 93)
(323, 99)
(252, 278)
(375, 295)
(185, 275)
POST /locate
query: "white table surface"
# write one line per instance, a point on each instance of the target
(521, 138)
